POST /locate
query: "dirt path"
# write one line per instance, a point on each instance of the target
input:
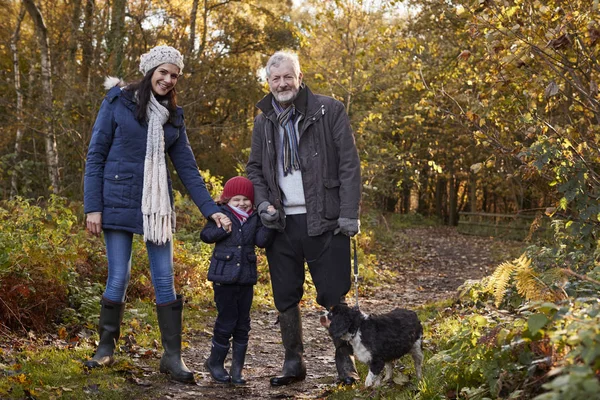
(431, 264)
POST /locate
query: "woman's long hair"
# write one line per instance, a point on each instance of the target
(144, 90)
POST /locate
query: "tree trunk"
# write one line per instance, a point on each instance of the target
(440, 198)
(204, 29)
(463, 199)
(472, 192)
(389, 203)
(14, 41)
(50, 137)
(87, 49)
(453, 201)
(192, 39)
(405, 204)
(424, 206)
(73, 39)
(117, 32)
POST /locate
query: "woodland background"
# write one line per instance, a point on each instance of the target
(458, 106)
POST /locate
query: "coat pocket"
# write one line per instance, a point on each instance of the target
(117, 190)
(223, 268)
(252, 273)
(332, 198)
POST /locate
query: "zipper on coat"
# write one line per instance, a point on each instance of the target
(273, 164)
(309, 121)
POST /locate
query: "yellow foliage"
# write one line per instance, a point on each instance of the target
(525, 278)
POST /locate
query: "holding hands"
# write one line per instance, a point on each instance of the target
(222, 221)
(268, 215)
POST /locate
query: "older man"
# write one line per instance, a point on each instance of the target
(306, 174)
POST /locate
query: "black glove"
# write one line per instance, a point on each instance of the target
(348, 226)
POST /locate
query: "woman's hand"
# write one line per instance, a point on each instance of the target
(94, 223)
(222, 221)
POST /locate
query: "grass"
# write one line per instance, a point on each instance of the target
(42, 371)
(58, 373)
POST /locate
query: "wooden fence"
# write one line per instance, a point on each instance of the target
(507, 226)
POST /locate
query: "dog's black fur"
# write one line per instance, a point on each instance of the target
(378, 339)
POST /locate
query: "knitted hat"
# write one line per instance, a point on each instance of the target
(160, 55)
(238, 185)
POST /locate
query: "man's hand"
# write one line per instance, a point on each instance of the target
(93, 223)
(268, 215)
(222, 221)
(348, 226)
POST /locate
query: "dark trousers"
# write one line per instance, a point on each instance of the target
(328, 259)
(233, 319)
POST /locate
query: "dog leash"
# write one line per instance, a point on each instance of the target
(355, 269)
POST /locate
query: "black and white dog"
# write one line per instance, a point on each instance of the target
(379, 339)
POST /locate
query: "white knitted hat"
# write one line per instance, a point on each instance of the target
(160, 55)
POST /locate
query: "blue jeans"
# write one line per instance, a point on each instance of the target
(118, 252)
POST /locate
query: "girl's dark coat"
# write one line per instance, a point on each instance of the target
(234, 260)
(114, 171)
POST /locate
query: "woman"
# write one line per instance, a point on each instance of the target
(127, 190)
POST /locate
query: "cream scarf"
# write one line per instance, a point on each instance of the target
(156, 203)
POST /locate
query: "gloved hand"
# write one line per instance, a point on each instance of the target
(348, 226)
(269, 219)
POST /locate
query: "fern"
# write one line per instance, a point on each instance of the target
(529, 284)
(500, 280)
(526, 280)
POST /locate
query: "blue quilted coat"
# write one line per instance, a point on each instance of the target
(234, 259)
(114, 170)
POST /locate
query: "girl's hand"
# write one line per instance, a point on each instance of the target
(222, 221)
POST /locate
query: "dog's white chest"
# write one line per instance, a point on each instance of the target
(360, 351)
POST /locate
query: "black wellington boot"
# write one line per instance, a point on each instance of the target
(294, 369)
(344, 362)
(170, 321)
(109, 329)
(238, 356)
(214, 363)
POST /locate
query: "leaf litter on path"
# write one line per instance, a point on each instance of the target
(432, 264)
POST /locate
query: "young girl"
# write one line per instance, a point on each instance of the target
(233, 273)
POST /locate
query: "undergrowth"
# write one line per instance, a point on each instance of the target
(531, 330)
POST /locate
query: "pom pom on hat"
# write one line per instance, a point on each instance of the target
(160, 55)
(238, 185)
(112, 81)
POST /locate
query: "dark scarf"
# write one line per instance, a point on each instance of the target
(289, 155)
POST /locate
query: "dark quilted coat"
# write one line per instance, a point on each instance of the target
(234, 259)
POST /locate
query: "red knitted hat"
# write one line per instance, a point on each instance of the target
(238, 185)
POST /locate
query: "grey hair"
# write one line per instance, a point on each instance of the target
(281, 56)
